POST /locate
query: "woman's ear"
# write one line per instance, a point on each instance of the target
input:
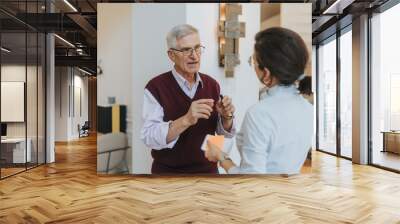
(266, 78)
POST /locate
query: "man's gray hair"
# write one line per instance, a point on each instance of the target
(178, 32)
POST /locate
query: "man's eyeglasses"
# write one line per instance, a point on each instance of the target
(189, 50)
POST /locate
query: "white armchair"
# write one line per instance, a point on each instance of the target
(111, 153)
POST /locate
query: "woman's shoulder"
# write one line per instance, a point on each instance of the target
(259, 112)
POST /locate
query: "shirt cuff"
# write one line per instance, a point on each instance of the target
(165, 129)
(222, 131)
(234, 170)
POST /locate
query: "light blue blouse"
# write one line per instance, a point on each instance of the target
(276, 133)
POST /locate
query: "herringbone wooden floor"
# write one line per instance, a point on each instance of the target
(69, 191)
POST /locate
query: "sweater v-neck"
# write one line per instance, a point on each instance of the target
(183, 92)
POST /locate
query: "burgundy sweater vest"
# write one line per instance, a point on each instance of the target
(186, 156)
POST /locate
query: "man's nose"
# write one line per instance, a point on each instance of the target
(194, 55)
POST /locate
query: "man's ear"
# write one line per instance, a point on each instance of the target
(171, 55)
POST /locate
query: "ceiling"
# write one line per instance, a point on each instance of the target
(332, 15)
(76, 22)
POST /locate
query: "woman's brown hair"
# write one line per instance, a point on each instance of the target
(283, 52)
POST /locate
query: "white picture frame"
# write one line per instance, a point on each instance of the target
(12, 101)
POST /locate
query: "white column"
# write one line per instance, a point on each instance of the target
(360, 90)
(50, 100)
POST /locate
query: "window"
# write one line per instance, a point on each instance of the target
(22, 66)
(385, 89)
(327, 96)
(346, 93)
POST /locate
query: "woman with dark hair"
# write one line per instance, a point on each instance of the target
(276, 132)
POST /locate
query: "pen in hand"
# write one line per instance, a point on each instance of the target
(222, 97)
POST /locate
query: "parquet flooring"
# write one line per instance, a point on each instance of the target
(387, 159)
(69, 191)
(10, 171)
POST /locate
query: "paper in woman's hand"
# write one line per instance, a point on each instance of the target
(217, 140)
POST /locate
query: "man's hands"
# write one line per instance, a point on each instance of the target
(199, 109)
(203, 108)
(225, 108)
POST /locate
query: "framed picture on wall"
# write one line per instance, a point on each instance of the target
(12, 101)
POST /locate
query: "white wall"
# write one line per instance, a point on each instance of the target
(149, 60)
(61, 103)
(118, 40)
(33, 127)
(79, 117)
(14, 72)
(67, 79)
(114, 56)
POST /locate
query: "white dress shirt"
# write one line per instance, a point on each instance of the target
(276, 133)
(155, 130)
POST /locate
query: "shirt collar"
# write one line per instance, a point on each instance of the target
(282, 90)
(183, 81)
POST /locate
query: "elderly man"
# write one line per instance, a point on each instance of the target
(181, 107)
